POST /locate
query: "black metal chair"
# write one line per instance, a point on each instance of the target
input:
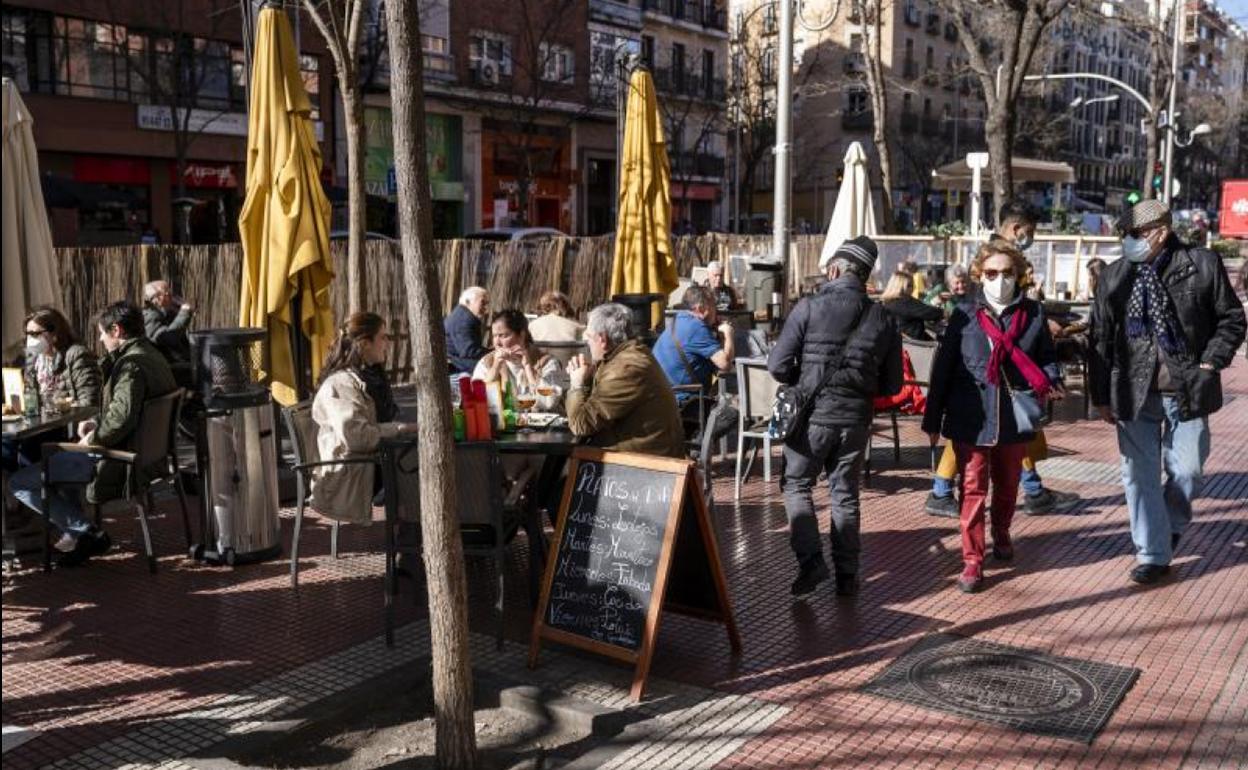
(490, 509)
(152, 459)
(302, 430)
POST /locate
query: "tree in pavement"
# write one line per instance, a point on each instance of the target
(1001, 39)
(340, 23)
(443, 551)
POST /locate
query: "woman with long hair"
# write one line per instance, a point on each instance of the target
(912, 315)
(516, 359)
(60, 368)
(353, 410)
(995, 369)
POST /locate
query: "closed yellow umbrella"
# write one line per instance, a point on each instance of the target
(643, 247)
(284, 225)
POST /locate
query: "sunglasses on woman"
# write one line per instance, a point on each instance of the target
(991, 275)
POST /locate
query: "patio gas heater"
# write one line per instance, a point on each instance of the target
(237, 448)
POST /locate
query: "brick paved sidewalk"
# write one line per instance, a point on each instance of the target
(108, 651)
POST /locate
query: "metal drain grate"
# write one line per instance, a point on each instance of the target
(1024, 689)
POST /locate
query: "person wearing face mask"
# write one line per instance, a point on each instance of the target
(1016, 227)
(992, 374)
(1165, 321)
(60, 368)
(134, 372)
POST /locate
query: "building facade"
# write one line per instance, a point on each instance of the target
(99, 81)
(934, 116)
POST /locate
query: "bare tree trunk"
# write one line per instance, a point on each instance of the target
(443, 551)
(999, 133)
(871, 13)
(357, 197)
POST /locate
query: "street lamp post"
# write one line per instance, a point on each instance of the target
(1170, 111)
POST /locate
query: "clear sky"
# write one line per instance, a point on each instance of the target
(1237, 9)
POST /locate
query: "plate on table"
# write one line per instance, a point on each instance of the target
(537, 419)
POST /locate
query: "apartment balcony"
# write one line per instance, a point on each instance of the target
(704, 14)
(933, 24)
(855, 63)
(856, 121)
(691, 84)
(697, 164)
(931, 78)
(621, 14)
(912, 16)
(950, 81)
(909, 122)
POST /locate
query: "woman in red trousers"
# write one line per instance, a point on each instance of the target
(995, 369)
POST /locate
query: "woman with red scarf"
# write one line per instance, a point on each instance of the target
(995, 370)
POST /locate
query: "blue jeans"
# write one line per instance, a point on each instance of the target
(1157, 438)
(65, 507)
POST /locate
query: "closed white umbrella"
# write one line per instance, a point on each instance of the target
(853, 215)
(29, 265)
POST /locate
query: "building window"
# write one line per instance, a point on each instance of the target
(647, 51)
(678, 61)
(489, 56)
(857, 101)
(556, 62)
(91, 59)
(605, 50)
(769, 64)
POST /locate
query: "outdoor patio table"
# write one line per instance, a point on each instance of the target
(399, 469)
(31, 427)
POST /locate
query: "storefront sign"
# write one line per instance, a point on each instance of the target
(442, 153)
(1233, 221)
(206, 175)
(153, 117)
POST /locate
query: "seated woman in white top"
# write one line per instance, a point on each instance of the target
(517, 360)
(353, 410)
(557, 322)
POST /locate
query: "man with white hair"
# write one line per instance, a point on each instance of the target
(463, 329)
(725, 296)
(166, 319)
(620, 398)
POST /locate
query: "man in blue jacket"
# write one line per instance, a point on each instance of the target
(463, 329)
(838, 327)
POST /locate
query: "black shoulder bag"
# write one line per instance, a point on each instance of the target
(792, 405)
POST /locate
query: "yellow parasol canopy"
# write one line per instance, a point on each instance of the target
(284, 224)
(643, 248)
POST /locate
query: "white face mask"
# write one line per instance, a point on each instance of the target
(1136, 249)
(1024, 242)
(999, 290)
(36, 345)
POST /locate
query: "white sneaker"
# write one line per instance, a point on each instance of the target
(66, 544)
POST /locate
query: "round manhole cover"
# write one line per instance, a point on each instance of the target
(1002, 684)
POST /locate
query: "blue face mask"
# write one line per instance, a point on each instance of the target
(1136, 249)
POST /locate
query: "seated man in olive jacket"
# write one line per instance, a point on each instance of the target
(134, 372)
(621, 399)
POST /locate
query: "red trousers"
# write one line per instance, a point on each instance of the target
(1002, 465)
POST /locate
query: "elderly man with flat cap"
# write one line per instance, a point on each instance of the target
(842, 332)
(1165, 320)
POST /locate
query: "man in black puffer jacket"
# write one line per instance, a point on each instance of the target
(841, 326)
(1165, 320)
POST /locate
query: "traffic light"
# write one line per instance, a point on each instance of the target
(1157, 169)
(1133, 197)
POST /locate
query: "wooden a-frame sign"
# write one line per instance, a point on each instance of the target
(634, 537)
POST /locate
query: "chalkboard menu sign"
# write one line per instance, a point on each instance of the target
(623, 519)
